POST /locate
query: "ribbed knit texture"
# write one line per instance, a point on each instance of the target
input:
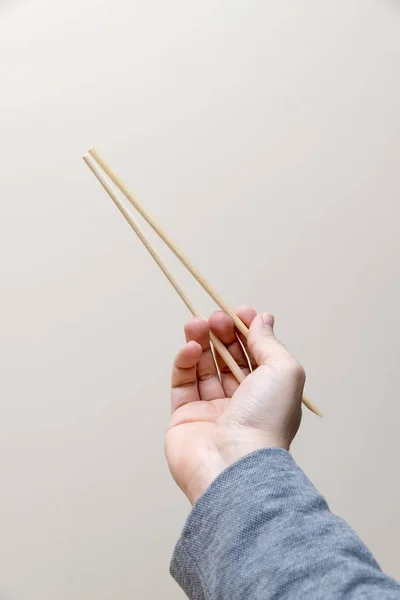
(262, 531)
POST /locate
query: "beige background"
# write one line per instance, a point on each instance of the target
(264, 137)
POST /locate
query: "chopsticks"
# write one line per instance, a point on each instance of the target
(167, 240)
(219, 346)
(98, 168)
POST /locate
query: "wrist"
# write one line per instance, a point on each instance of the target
(212, 465)
(227, 449)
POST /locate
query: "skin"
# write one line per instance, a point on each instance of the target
(215, 421)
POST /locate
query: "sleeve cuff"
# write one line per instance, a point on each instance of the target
(220, 507)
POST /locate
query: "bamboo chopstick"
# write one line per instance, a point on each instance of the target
(219, 346)
(167, 240)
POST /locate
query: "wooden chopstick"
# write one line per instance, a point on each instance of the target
(167, 240)
(221, 349)
(218, 345)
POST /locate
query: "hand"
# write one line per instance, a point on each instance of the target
(214, 423)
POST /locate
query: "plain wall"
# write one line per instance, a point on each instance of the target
(264, 137)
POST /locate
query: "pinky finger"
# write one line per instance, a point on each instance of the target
(184, 375)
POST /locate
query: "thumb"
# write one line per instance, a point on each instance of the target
(262, 342)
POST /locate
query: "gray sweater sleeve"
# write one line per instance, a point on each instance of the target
(262, 531)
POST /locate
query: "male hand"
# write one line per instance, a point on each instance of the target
(214, 423)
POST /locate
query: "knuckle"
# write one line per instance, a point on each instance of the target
(206, 374)
(296, 370)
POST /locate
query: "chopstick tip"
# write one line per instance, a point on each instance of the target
(316, 411)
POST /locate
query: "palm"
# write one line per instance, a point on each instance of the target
(192, 428)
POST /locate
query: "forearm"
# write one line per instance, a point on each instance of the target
(261, 530)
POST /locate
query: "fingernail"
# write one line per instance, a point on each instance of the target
(268, 319)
